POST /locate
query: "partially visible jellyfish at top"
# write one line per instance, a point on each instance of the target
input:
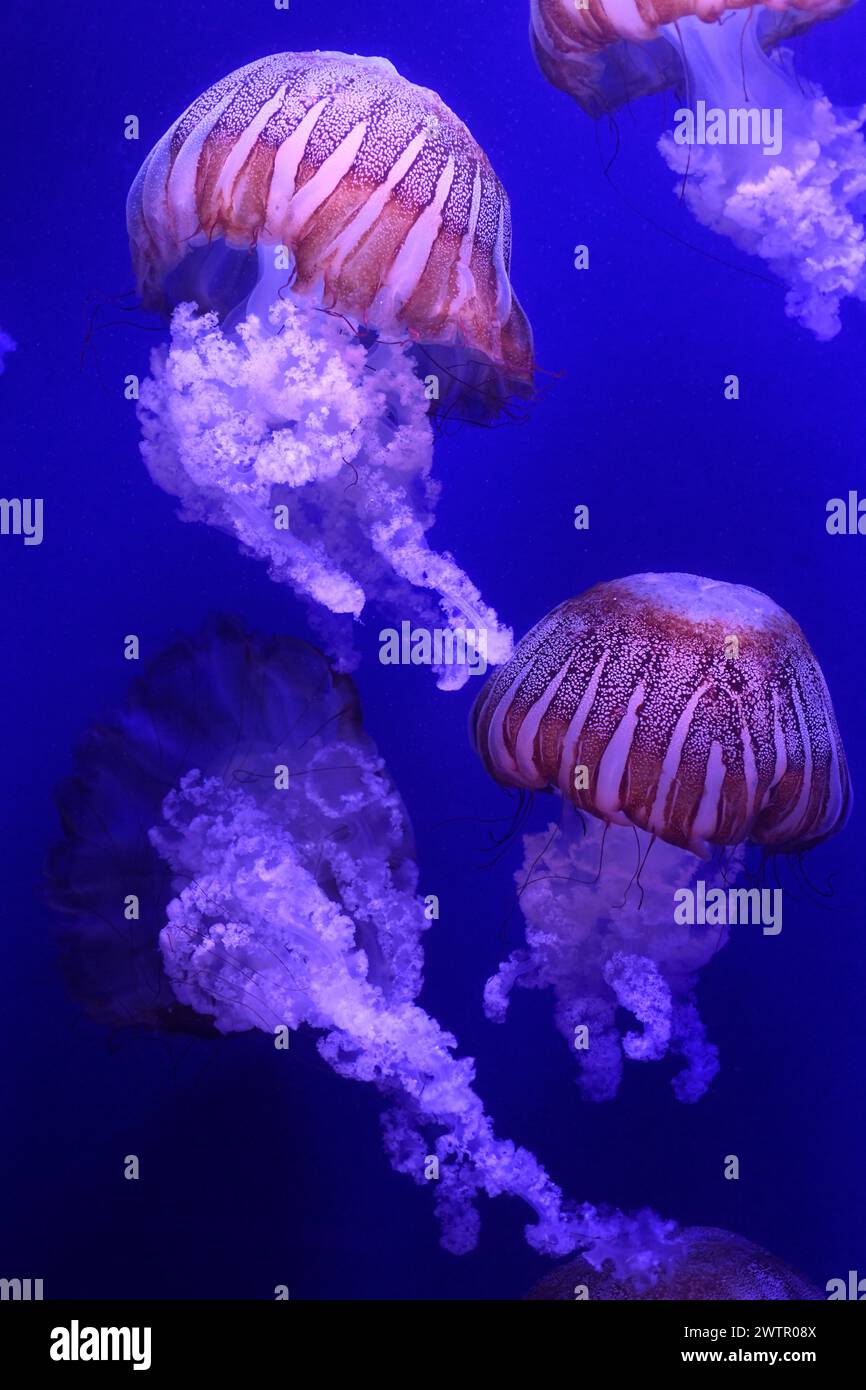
(761, 156)
(714, 1264)
(679, 718)
(334, 249)
(235, 857)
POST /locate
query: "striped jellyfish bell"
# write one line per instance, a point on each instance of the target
(685, 706)
(605, 53)
(381, 204)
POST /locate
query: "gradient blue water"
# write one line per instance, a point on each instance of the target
(256, 1173)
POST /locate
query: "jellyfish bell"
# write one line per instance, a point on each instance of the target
(606, 54)
(333, 180)
(601, 55)
(762, 158)
(679, 718)
(229, 703)
(690, 708)
(713, 1264)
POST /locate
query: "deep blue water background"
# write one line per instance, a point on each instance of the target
(259, 1169)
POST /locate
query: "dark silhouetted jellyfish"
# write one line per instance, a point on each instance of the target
(762, 157)
(715, 1264)
(351, 246)
(680, 718)
(236, 857)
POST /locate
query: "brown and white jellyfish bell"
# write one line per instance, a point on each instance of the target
(388, 209)
(335, 248)
(761, 156)
(682, 718)
(697, 708)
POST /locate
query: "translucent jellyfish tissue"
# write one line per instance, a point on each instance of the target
(238, 799)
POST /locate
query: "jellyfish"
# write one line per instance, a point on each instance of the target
(714, 1264)
(679, 718)
(334, 249)
(760, 156)
(236, 857)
